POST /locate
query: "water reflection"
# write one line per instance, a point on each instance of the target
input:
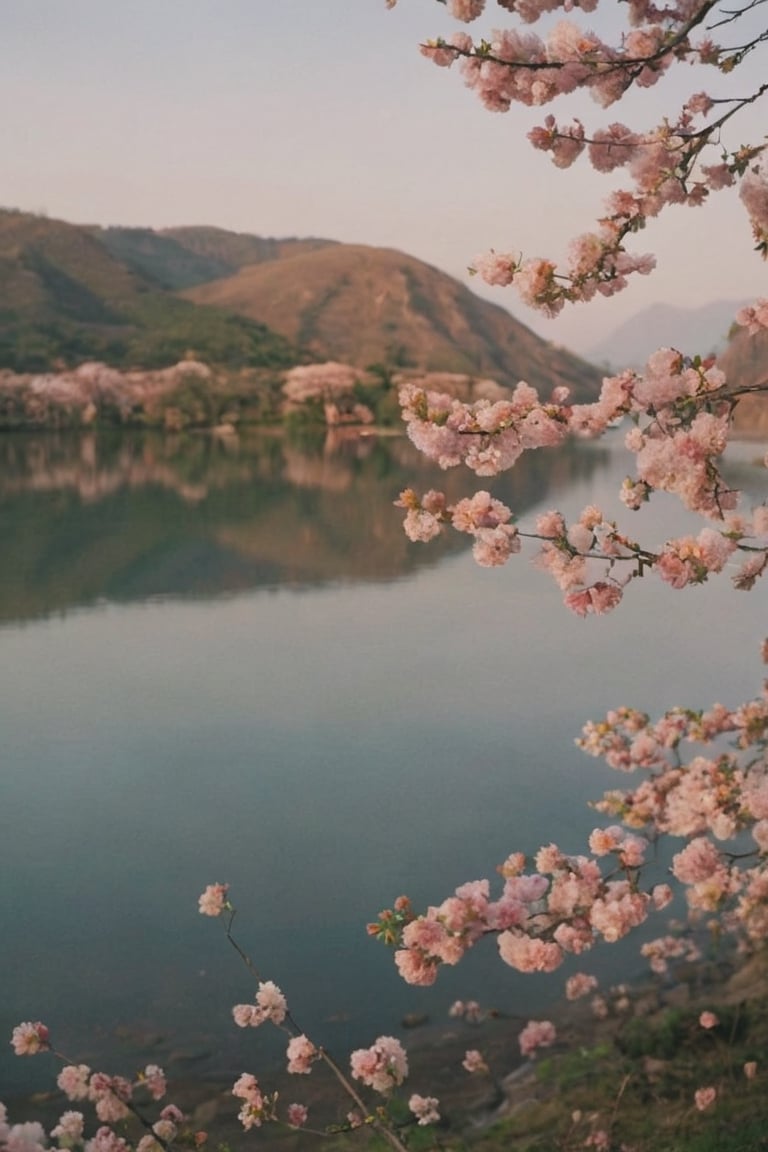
(322, 751)
(134, 516)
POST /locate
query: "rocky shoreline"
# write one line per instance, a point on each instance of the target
(470, 1104)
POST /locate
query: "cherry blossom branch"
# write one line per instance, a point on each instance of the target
(517, 68)
(567, 903)
(735, 14)
(383, 1067)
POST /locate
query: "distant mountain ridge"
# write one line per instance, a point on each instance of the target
(179, 258)
(140, 298)
(702, 330)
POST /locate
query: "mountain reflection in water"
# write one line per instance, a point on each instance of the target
(132, 516)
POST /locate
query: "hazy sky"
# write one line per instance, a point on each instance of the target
(320, 117)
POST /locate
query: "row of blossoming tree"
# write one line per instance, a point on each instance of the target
(702, 773)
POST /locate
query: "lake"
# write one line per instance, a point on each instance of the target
(223, 661)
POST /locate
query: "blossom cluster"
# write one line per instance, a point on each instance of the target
(256, 1107)
(425, 1109)
(111, 1095)
(113, 1099)
(704, 780)
(560, 907)
(93, 391)
(713, 800)
(537, 1034)
(332, 385)
(681, 412)
(681, 160)
(213, 900)
(383, 1066)
(270, 1005)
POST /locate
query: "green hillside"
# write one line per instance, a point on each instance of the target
(65, 298)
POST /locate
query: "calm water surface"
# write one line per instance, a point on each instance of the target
(225, 662)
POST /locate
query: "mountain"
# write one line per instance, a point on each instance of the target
(691, 330)
(366, 306)
(65, 298)
(136, 297)
(178, 258)
(745, 362)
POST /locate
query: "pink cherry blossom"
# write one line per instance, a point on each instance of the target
(580, 984)
(473, 1061)
(29, 1038)
(254, 1107)
(153, 1079)
(383, 1066)
(301, 1055)
(69, 1129)
(73, 1081)
(165, 1129)
(297, 1115)
(536, 1034)
(213, 900)
(106, 1140)
(425, 1109)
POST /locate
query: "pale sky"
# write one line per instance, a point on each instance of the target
(320, 117)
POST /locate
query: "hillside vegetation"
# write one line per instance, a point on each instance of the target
(135, 298)
(180, 258)
(366, 306)
(65, 298)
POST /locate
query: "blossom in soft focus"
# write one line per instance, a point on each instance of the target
(214, 900)
(271, 1002)
(73, 1081)
(297, 1115)
(69, 1129)
(301, 1054)
(252, 1111)
(270, 1005)
(29, 1137)
(704, 1098)
(708, 1020)
(580, 984)
(536, 1034)
(424, 1109)
(382, 1066)
(473, 1061)
(29, 1038)
(750, 1069)
(106, 1140)
(754, 318)
(110, 1095)
(149, 1144)
(153, 1079)
(171, 1112)
(164, 1129)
